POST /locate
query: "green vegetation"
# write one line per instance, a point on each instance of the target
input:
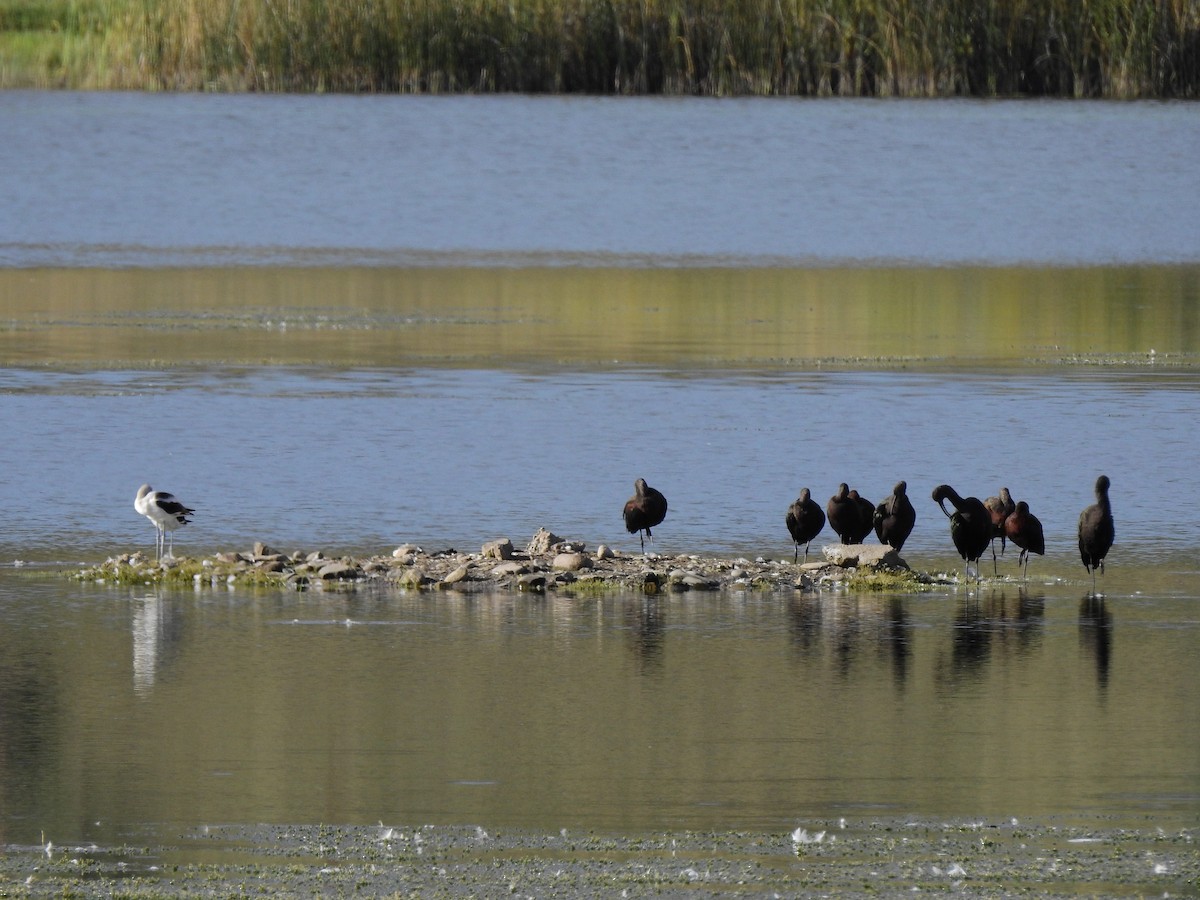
(1070, 48)
(184, 572)
(893, 581)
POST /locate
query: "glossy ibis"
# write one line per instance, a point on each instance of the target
(644, 510)
(165, 511)
(805, 519)
(970, 524)
(999, 508)
(866, 518)
(895, 517)
(1096, 531)
(1024, 529)
(843, 514)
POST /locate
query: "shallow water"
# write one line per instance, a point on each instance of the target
(366, 459)
(129, 707)
(353, 400)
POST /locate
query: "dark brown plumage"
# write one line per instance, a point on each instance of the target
(1024, 529)
(895, 517)
(805, 519)
(970, 524)
(644, 510)
(843, 515)
(1096, 531)
(866, 518)
(999, 508)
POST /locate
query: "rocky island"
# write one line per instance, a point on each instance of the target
(547, 563)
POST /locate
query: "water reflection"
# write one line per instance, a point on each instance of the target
(157, 638)
(1095, 635)
(992, 619)
(851, 628)
(646, 621)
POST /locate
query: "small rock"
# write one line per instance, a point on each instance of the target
(604, 552)
(412, 578)
(261, 549)
(570, 562)
(874, 556)
(651, 581)
(542, 541)
(459, 574)
(501, 549)
(534, 581)
(406, 550)
(338, 571)
(510, 568)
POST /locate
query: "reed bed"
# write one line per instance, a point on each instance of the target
(878, 48)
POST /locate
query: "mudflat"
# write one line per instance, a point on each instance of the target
(869, 857)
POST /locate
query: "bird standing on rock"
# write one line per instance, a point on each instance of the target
(866, 518)
(843, 514)
(805, 519)
(644, 510)
(165, 511)
(1096, 531)
(970, 524)
(895, 517)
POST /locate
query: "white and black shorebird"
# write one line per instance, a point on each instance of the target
(165, 511)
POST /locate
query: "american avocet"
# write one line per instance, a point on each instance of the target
(165, 511)
(645, 509)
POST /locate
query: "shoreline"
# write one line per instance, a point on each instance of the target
(847, 858)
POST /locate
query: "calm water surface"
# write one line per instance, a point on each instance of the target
(135, 712)
(346, 323)
(119, 179)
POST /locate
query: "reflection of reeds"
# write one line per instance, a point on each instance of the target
(1110, 48)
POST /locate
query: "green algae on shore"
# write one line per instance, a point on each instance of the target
(843, 858)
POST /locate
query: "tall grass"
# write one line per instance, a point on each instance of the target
(1074, 48)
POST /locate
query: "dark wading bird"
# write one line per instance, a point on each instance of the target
(843, 514)
(970, 524)
(165, 511)
(644, 510)
(895, 517)
(999, 508)
(866, 518)
(1096, 531)
(805, 519)
(1024, 529)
